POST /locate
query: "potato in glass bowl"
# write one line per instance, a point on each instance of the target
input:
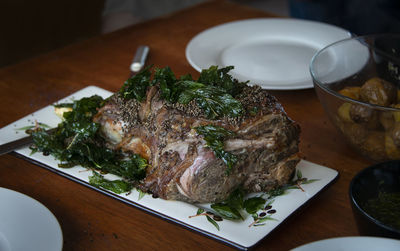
(357, 81)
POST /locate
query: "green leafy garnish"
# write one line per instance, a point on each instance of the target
(214, 101)
(220, 78)
(230, 208)
(141, 194)
(136, 86)
(212, 221)
(262, 220)
(237, 207)
(213, 92)
(227, 211)
(209, 215)
(133, 168)
(294, 184)
(252, 205)
(168, 84)
(117, 186)
(76, 141)
(200, 211)
(214, 137)
(236, 199)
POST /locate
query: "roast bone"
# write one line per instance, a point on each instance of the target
(182, 167)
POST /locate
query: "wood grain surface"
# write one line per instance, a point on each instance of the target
(93, 221)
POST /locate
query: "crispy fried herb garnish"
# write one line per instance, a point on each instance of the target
(220, 78)
(213, 92)
(214, 137)
(213, 100)
(76, 141)
(135, 87)
(117, 186)
(167, 81)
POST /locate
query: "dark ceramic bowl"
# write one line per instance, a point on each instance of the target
(366, 185)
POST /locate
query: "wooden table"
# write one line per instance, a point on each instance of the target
(93, 221)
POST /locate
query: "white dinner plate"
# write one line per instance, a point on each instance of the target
(239, 234)
(274, 53)
(25, 224)
(351, 244)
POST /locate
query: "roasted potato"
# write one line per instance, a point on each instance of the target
(364, 115)
(351, 92)
(378, 92)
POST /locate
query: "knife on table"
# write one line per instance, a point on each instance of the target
(137, 64)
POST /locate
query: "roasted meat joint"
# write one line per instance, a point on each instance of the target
(194, 140)
(203, 138)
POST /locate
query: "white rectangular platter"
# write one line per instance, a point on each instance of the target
(241, 235)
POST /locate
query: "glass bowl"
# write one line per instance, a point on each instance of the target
(357, 81)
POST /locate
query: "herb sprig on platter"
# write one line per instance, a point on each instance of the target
(238, 207)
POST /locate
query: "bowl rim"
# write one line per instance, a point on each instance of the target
(319, 84)
(359, 208)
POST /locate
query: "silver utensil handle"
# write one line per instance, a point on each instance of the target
(139, 58)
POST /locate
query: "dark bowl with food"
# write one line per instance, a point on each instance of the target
(375, 199)
(357, 81)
